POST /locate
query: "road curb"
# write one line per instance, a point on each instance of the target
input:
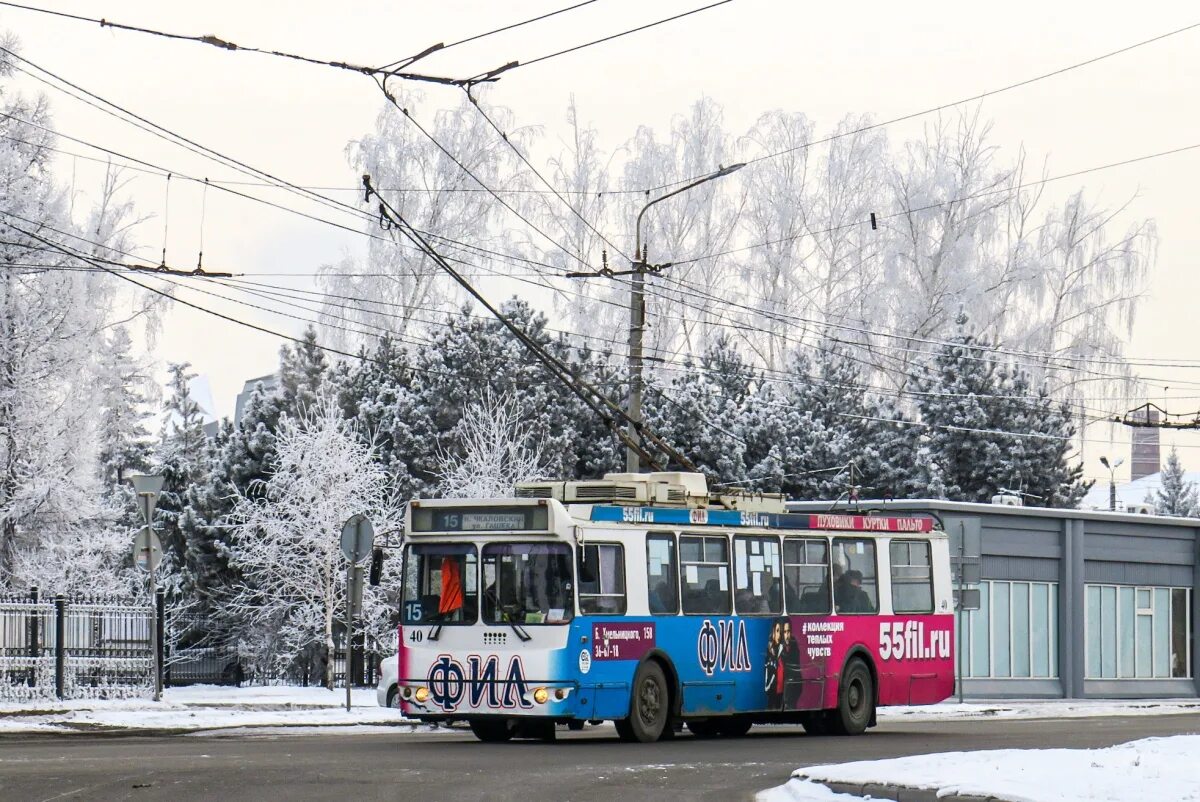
(904, 793)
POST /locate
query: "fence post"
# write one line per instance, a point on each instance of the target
(35, 621)
(60, 645)
(160, 607)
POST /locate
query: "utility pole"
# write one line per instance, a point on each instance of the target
(637, 314)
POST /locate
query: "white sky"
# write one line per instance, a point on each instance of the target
(825, 59)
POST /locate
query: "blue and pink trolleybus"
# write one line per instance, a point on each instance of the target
(647, 600)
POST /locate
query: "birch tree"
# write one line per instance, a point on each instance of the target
(497, 450)
(286, 537)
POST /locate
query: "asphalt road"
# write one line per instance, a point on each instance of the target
(590, 765)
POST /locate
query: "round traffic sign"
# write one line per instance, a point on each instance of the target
(147, 549)
(358, 536)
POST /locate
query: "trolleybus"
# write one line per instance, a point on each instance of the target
(646, 600)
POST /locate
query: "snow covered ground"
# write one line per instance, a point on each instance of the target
(1050, 708)
(1153, 768)
(207, 708)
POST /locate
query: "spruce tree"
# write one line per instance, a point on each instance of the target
(1176, 496)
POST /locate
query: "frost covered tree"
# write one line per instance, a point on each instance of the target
(401, 285)
(286, 536)
(53, 324)
(1176, 496)
(988, 429)
(497, 450)
(125, 443)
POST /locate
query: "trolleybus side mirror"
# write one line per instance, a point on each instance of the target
(377, 557)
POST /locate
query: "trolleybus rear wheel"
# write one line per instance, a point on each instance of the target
(649, 707)
(856, 700)
(492, 730)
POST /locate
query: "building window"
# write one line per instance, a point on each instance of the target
(602, 579)
(1013, 634)
(1138, 632)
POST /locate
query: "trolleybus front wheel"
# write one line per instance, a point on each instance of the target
(856, 700)
(492, 730)
(649, 707)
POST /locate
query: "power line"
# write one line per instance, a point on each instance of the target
(512, 65)
(225, 44)
(441, 48)
(512, 146)
(944, 106)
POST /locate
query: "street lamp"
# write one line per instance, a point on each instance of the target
(637, 315)
(1112, 479)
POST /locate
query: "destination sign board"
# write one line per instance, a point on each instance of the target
(480, 519)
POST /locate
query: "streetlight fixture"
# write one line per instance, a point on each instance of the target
(637, 314)
(1112, 479)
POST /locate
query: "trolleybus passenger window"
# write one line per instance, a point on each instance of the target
(602, 579)
(704, 569)
(912, 577)
(527, 583)
(758, 583)
(662, 575)
(854, 584)
(440, 584)
(806, 575)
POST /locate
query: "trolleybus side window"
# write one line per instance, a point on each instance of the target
(912, 577)
(758, 583)
(527, 583)
(854, 585)
(440, 584)
(704, 569)
(662, 574)
(806, 575)
(602, 578)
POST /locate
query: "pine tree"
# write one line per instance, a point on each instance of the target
(988, 430)
(1176, 496)
(185, 458)
(123, 437)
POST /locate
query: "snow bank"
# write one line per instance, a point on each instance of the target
(1032, 709)
(1153, 768)
(204, 708)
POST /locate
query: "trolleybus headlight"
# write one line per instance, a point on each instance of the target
(406, 693)
(541, 695)
(560, 694)
(421, 695)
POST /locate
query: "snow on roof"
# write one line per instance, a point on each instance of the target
(1134, 492)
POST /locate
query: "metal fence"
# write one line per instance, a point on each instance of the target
(80, 647)
(76, 647)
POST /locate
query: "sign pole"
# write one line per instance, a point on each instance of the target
(358, 537)
(962, 624)
(349, 626)
(154, 646)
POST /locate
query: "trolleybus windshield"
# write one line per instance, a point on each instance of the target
(527, 583)
(440, 584)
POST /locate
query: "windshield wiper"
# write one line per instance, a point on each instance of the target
(520, 630)
(436, 632)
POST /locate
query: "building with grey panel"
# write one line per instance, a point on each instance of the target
(1073, 603)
